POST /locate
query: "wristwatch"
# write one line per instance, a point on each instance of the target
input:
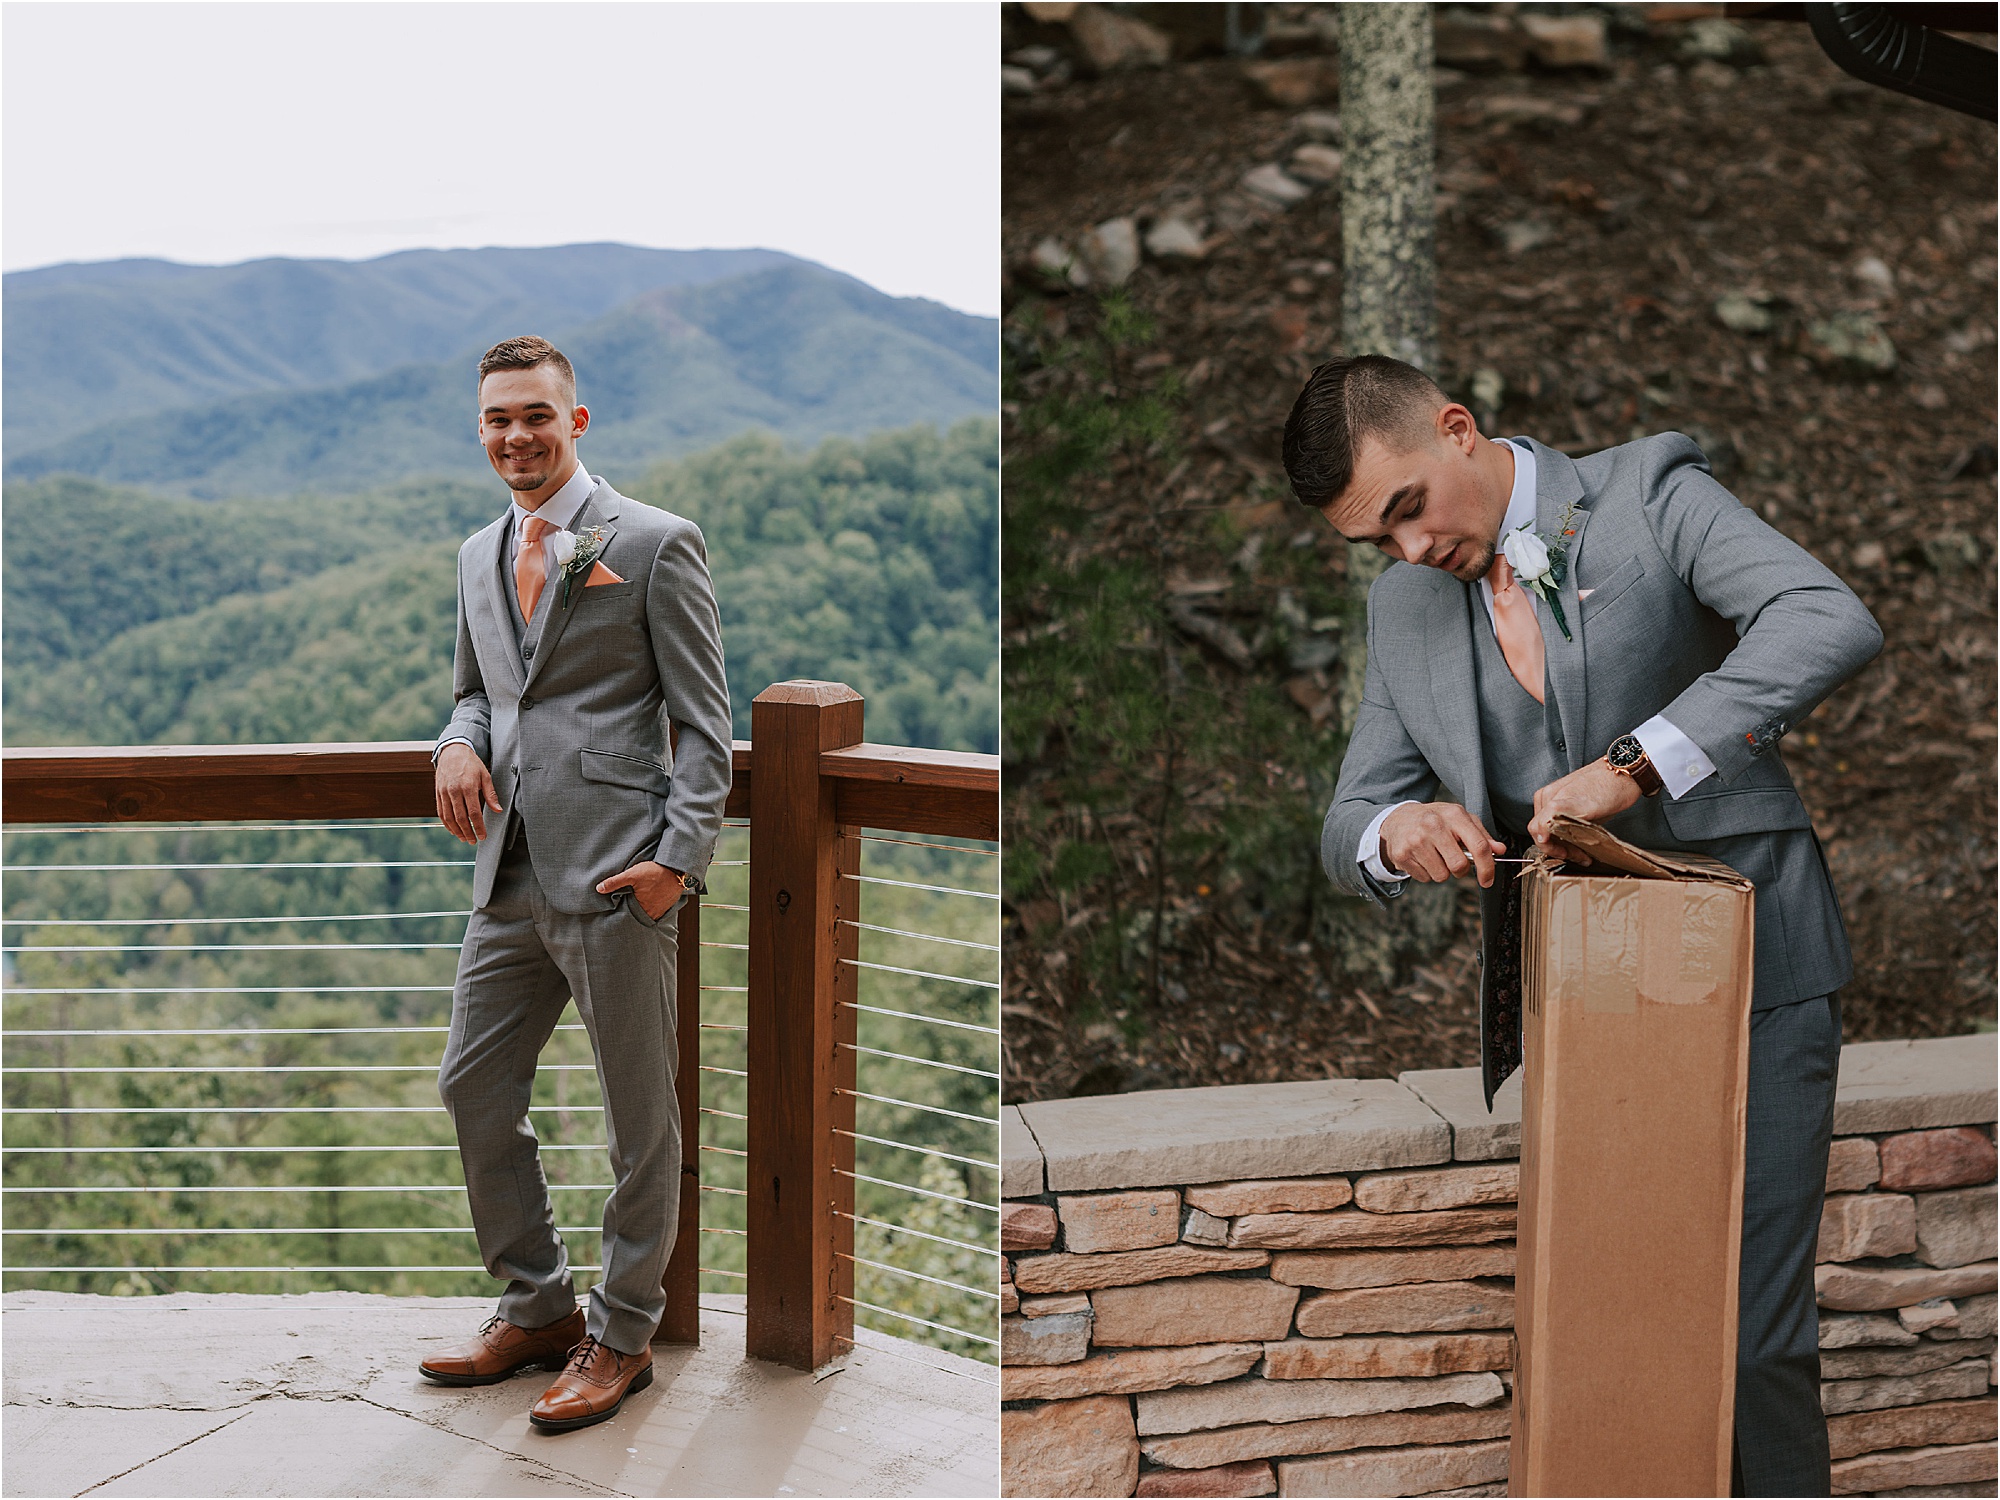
(1628, 758)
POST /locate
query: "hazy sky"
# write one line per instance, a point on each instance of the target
(863, 136)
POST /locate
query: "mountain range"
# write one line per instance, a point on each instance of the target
(281, 376)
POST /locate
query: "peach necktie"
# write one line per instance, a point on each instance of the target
(531, 564)
(1519, 631)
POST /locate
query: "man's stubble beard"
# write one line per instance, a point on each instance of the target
(1480, 566)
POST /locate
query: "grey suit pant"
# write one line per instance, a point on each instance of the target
(1781, 1441)
(521, 962)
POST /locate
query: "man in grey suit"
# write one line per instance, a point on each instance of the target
(1690, 637)
(587, 635)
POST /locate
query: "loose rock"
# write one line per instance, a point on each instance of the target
(1572, 41)
(1750, 312)
(1314, 163)
(1321, 125)
(1854, 341)
(1294, 82)
(1112, 42)
(1059, 263)
(1175, 239)
(1270, 183)
(1049, 1307)
(1111, 252)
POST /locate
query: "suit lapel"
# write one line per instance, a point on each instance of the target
(490, 558)
(1557, 484)
(1448, 646)
(601, 509)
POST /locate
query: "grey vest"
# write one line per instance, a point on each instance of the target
(1520, 740)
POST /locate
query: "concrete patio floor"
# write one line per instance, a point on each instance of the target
(319, 1395)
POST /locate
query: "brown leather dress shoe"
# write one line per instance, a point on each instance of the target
(592, 1387)
(502, 1348)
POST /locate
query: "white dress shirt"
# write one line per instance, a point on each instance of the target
(561, 508)
(1677, 758)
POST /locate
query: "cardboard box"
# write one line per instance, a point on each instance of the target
(1636, 975)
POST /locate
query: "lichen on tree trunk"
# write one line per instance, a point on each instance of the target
(1388, 230)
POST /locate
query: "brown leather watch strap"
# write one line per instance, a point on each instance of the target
(1645, 774)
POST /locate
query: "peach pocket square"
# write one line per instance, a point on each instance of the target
(1583, 594)
(600, 574)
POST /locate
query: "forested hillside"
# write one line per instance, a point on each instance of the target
(134, 618)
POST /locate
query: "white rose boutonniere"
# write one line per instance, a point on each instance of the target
(1539, 566)
(577, 554)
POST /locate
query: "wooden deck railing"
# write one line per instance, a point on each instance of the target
(807, 783)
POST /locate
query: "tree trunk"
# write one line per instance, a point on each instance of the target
(1388, 231)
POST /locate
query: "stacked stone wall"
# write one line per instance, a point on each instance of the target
(1307, 1288)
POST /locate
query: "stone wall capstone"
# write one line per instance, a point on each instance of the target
(1307, 1288)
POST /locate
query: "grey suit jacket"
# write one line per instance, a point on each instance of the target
(577, 736)
(1698, 611)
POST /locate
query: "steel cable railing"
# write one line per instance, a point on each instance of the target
(222, 1041)
(926, 1092)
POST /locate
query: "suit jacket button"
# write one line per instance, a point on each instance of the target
(1562, 747)
(526, 704)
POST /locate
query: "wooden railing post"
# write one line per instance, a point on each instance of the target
(800, 1075)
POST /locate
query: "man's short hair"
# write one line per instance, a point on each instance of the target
(524, 353)
(1345, 401)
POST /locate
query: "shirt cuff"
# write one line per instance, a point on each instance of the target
(1369, 855)
(457, 739)
(1678, 759)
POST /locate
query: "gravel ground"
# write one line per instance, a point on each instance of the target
(1589, 224)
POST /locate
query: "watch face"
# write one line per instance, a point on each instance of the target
(1625, 751)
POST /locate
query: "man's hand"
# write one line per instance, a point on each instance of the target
(464, 792)
(654, 887)
(1593, 794)
(1437, 840)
